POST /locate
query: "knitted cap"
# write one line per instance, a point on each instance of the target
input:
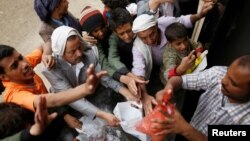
(90, 19)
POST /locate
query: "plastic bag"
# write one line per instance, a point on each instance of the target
(129, 114)
(200, 63)
(159, 112)
(92, 130)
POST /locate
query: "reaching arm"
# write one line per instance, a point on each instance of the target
(174, 83)
(66, 97)
(205, 9)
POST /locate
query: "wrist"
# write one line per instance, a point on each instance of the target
(179, 70)
(187, 130)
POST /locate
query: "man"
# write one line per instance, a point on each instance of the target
(23, 86)
(73, 57)
(120, 50)
(226, 100)
(150, 43)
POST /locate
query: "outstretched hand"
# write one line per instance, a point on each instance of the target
(133, 85)
(93, 78)
(42, 118)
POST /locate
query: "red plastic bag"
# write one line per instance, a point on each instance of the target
(159, 112)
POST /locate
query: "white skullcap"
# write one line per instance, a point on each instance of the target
(59, 38)
(143, 22)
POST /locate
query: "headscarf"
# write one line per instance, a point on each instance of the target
(59, 38)
(143, 22)
(44, 8)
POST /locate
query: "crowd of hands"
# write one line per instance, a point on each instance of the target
(168, 125)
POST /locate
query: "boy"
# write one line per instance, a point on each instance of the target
(180, 52)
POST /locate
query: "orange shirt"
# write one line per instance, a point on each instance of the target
(22, 94)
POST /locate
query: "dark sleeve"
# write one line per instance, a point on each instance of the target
(26, 136)
(119, 73)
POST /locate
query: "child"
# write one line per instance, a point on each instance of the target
(180, 52)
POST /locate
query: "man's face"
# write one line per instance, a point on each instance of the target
(99, 32)
(62, 7)
(235, 84)
(73, 51)
(180, 44)
(125, 33)
(149, 36)
(16, 69)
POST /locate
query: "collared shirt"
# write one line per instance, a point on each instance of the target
(77, 68)
(213, 107)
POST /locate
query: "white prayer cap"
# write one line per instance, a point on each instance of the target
(59, 38)
(143, 22)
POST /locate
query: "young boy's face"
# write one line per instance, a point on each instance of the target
(180, 44)
(16, 68)
(99, 32)
(125, 33)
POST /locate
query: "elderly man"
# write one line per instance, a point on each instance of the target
(73, 57)
(150, 42)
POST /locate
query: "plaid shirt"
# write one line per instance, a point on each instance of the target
(213, 107)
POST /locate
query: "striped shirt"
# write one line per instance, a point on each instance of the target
(213, 107)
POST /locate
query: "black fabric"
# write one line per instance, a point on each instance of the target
(1, 87)
(117, 75)
(105, 43)
(125, 53)
(51, 133)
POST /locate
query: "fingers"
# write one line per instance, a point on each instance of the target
(101, 73)
(52, 117)
(50, 62)
(163, 132)
(148, 108)
(90, 70)
(191, 54)
(132, 87)
(207, 7)
(88, 38)
(78, 125)
(154, 101)
(141, 81)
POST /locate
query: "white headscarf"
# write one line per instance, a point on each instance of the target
(143, 22)
(59, 38)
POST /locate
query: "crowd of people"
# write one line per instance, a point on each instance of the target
(130, 51)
